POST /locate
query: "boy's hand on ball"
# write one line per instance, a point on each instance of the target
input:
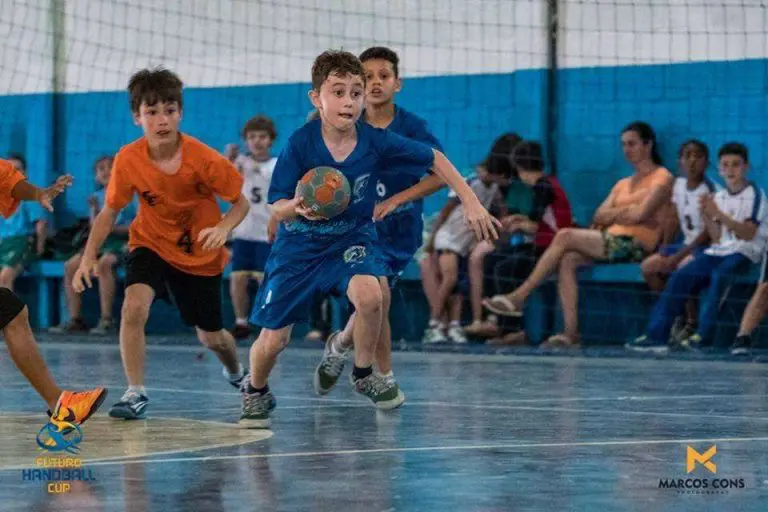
(305, 211)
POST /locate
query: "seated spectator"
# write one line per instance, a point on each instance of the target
(451, 240)
(498, 162)
(112, 253)
(531, 233)
(685, 219)
(22, 235)
(627, 229)
(731, 217)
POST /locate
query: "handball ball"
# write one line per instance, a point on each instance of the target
(325, 191)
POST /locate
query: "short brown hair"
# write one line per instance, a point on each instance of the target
(384, 53)
(335, 62)
(260, 123)
(151, 86)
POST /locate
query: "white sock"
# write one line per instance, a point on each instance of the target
(235, 376)
(455, 323)
(241, 321)
(138, 389)
(387, 375)
(434, 323)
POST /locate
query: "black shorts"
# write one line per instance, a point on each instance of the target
(10, 307)
(197, 297)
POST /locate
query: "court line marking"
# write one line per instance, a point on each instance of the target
(55, 343)
(510, 446)
(481, 405)
(24, 385)
(264, 434)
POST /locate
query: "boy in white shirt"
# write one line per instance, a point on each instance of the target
(250, 240)
(731, 217)
(688, 188)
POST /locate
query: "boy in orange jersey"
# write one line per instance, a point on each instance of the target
(177, 240)
(69, 406)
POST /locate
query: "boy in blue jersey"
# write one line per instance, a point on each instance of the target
(312, 255)
(399, 211)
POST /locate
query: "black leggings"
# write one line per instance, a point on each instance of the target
(504, 270)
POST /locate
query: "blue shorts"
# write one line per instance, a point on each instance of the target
(300, 268)
(672, 249)
(249, 255)
(399, 237)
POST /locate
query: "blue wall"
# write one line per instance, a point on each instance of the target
(714, 101)
(465, 112)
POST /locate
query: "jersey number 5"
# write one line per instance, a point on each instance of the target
(256, 195)
(185, 241)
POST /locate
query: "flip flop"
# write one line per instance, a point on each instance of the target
(501, 305)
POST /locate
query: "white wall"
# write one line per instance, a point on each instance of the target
(237, 42)
(26, 46)
(627, 32)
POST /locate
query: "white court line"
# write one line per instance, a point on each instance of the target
(481, 405)
(511, 446)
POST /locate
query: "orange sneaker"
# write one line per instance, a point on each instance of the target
(77, 406)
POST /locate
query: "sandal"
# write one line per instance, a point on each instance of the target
(485, 329)
(510, 339)
(561, 340)
(502, 305)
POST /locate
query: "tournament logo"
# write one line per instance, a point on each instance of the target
(60, 436)
(354, 254)
(359, 188)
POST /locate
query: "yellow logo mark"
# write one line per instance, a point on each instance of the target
(702, 458)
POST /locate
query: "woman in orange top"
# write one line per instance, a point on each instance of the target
(627, 227)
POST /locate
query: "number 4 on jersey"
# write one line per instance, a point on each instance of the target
(185, 241)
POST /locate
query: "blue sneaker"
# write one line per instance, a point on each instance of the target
(644, 344)
(131, 406)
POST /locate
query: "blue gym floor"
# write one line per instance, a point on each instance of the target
(479, 432)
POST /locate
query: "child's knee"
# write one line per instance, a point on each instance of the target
(216, 340)
(273, 342)
(366, 295)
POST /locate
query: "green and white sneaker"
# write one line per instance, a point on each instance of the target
(382, 391)
(692, 342)
(256, 409)
(331, 365)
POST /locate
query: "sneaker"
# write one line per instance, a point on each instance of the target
(434, 335)
(104, 327)
(73, 326)
(132, 406)
(77, 406)
(692, 342)
(256, 409)
(742, 346)
(237, 382)
(331, 365)
(382, 391)
(240, 332)
(456, 334)
(645, 344)
(681, 330)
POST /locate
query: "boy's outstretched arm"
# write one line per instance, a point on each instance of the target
(25, 191)
(483, 224)
(426, 187)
